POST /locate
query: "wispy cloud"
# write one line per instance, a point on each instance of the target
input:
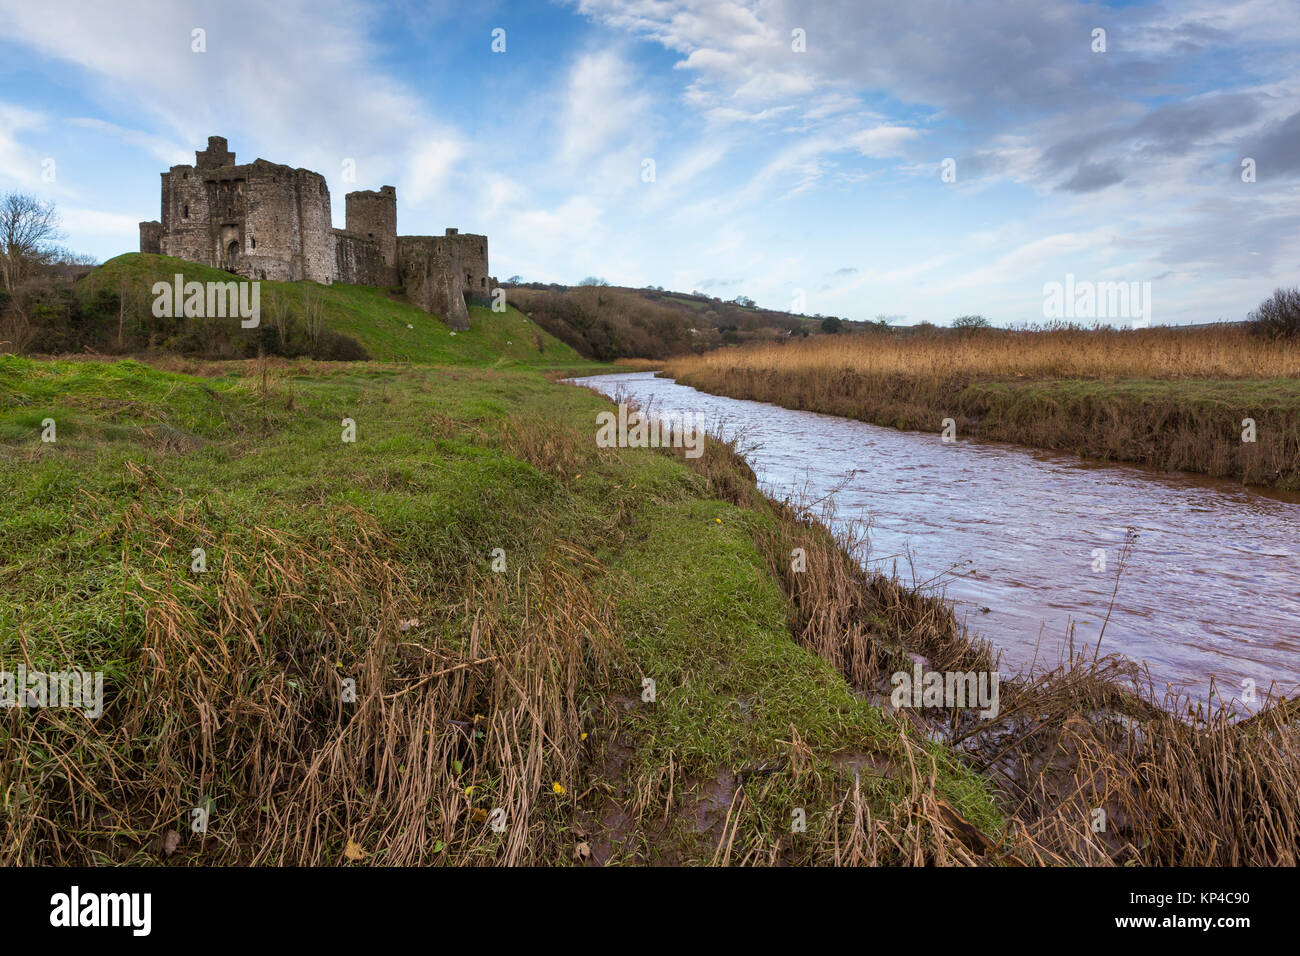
(784, 136)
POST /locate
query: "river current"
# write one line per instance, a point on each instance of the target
(1025, 543)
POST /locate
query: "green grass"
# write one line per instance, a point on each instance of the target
(434, 466)
(376, 318)
(706, 622)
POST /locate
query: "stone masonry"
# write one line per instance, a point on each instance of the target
(262, 220)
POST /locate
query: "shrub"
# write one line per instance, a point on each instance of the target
(335, 347)
(1278, 316)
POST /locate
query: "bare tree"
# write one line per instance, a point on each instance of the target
(1278, 316)
(28, 229)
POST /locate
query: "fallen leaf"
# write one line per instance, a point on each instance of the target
(353, 851)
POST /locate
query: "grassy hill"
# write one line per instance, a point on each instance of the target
(609, 322)
(383, 324)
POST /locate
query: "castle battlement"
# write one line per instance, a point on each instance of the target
(263, 220)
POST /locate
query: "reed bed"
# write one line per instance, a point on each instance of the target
(1168, 354)
(1166, 398)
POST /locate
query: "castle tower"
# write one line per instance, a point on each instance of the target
(151, 237)
(374, 215)
(217, 154)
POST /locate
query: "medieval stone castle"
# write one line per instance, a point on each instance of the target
(262, 220)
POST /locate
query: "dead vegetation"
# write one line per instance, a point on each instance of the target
(1165, 353)
(318, 701)
(1094, 768)
(311, 691)
(1169, 398)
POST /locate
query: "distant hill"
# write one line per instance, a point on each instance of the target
(609, 322)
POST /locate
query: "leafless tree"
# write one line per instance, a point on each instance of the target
(28, 230)
(1278, 316)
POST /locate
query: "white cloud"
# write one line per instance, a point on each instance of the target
(603, 108)
(169, 152)
(95, 222)
(287, 90)
(19, 165)
(883, 141)
(431, 165)
(561, 243)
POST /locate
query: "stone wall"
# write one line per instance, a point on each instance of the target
(433, 277)
(151, 237)
(217, 154)
(229, 200)
(286, 231)
(359, 261)
(317, 226)
(471, 249)
(185, 220)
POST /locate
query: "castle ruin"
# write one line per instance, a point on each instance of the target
(262, 220)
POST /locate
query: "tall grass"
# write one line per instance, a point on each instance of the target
(1213, 352)
(295, 699)
(1169, 398)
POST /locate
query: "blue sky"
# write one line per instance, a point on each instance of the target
(801, 178)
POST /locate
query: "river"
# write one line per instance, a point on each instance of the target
(1211, 587)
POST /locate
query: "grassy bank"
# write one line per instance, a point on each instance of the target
(638, 674)
(1172, 399)
(110, 312)
(372, 562)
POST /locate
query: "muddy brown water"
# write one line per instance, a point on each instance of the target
(1211, 587)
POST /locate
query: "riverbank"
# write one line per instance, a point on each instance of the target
(520, 688)
(470, 636)
(1215, 402)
